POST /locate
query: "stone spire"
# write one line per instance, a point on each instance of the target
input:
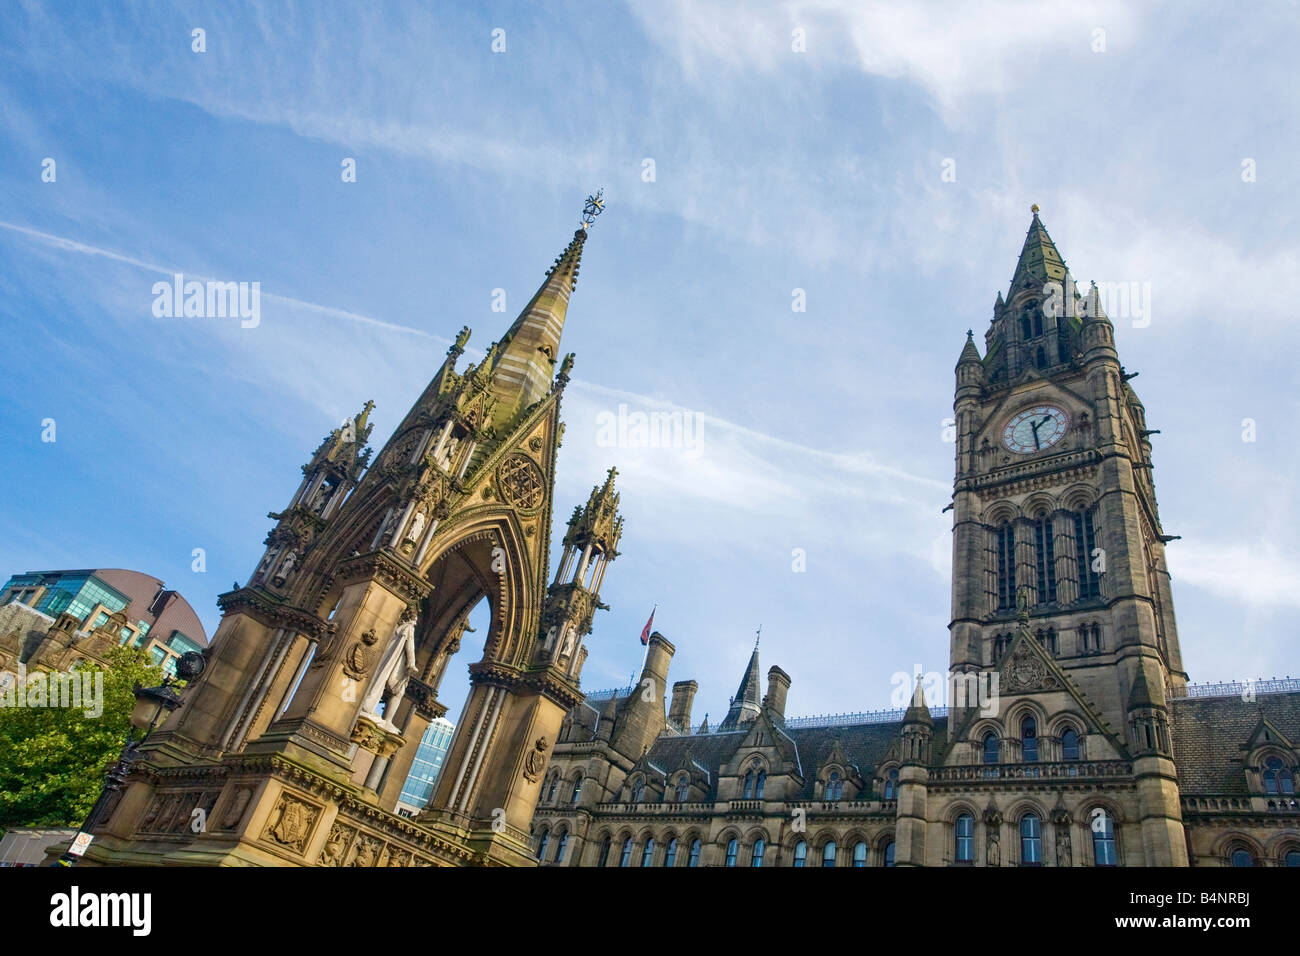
(746, 704)
(523, 362)
(1039, 262)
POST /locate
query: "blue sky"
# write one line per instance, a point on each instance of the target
(775, 170)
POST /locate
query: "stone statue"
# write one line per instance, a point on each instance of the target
(318, 498)
(396, 668)
(286, 566)
(568, 641)
(417, 526)
(994, 857)
(1063, 847)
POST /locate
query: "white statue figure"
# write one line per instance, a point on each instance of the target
(396, 667)
(550, 638)
(286, 566)
(568, 642)
(417, 526)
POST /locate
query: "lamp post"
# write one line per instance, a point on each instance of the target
(151, 704)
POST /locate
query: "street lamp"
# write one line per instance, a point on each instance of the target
(151, 704)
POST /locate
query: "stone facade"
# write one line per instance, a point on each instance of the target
(1069, 738)
(1074, 741)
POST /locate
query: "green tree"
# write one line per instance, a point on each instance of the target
(53, 759)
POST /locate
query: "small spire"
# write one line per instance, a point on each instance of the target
(758, 637)
(1034, 210)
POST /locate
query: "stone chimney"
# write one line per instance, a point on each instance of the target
(778, 685)
(679, 713)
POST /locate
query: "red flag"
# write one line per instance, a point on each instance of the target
(645, 631)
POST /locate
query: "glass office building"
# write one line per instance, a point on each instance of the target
(157, 619)
(424, 769)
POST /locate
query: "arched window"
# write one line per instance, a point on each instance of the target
(749, 785)
(800, 853)
(1005, 540)
(965, 830)
(759, 783)
(1069, 744)
(1026, 330)
(990, 747)
(756, 857)
(891, 785)
(1292, 858)
(683, 789)
(555, 782)
(1041, 357)
(834, 786)
(626, 858)
(1242, 857)
(1045, 552)
(1062, 350)
(577, 789)
(564, 845)
(648, 854)
(828, 854)
(1085, 542)
(603, 858)
(1038, 321)
(1103, 838)
(542, 844)
(889, 853)
(1031, 839)
(732, 846)
(1029, 739)
(859, 854)
(638, 791)
(1278, 777)
(670, 853)
(694, 858)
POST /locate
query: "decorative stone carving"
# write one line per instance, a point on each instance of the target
(535, 762)
(1027, 671)
(357, 661)
(365, 852)
(521, 481)
(994, 855)
(335, 849)
(1063, 847)
(291, 823)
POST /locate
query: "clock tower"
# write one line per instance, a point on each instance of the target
(1060, 587)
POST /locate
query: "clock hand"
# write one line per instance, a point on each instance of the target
(1034, 427)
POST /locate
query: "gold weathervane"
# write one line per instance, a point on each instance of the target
(594, 207)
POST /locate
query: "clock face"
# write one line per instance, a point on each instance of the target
(1034, 429)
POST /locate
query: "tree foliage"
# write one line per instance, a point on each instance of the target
(53, 759)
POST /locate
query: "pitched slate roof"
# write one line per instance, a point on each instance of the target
(1209, 733)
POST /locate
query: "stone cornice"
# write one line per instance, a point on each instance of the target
(387, 570)
(549, 682)
(273, 612)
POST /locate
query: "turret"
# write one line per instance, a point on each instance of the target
(328, 478)
(590, 543)
(913, 781)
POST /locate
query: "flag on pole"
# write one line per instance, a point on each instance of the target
(645, 631)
